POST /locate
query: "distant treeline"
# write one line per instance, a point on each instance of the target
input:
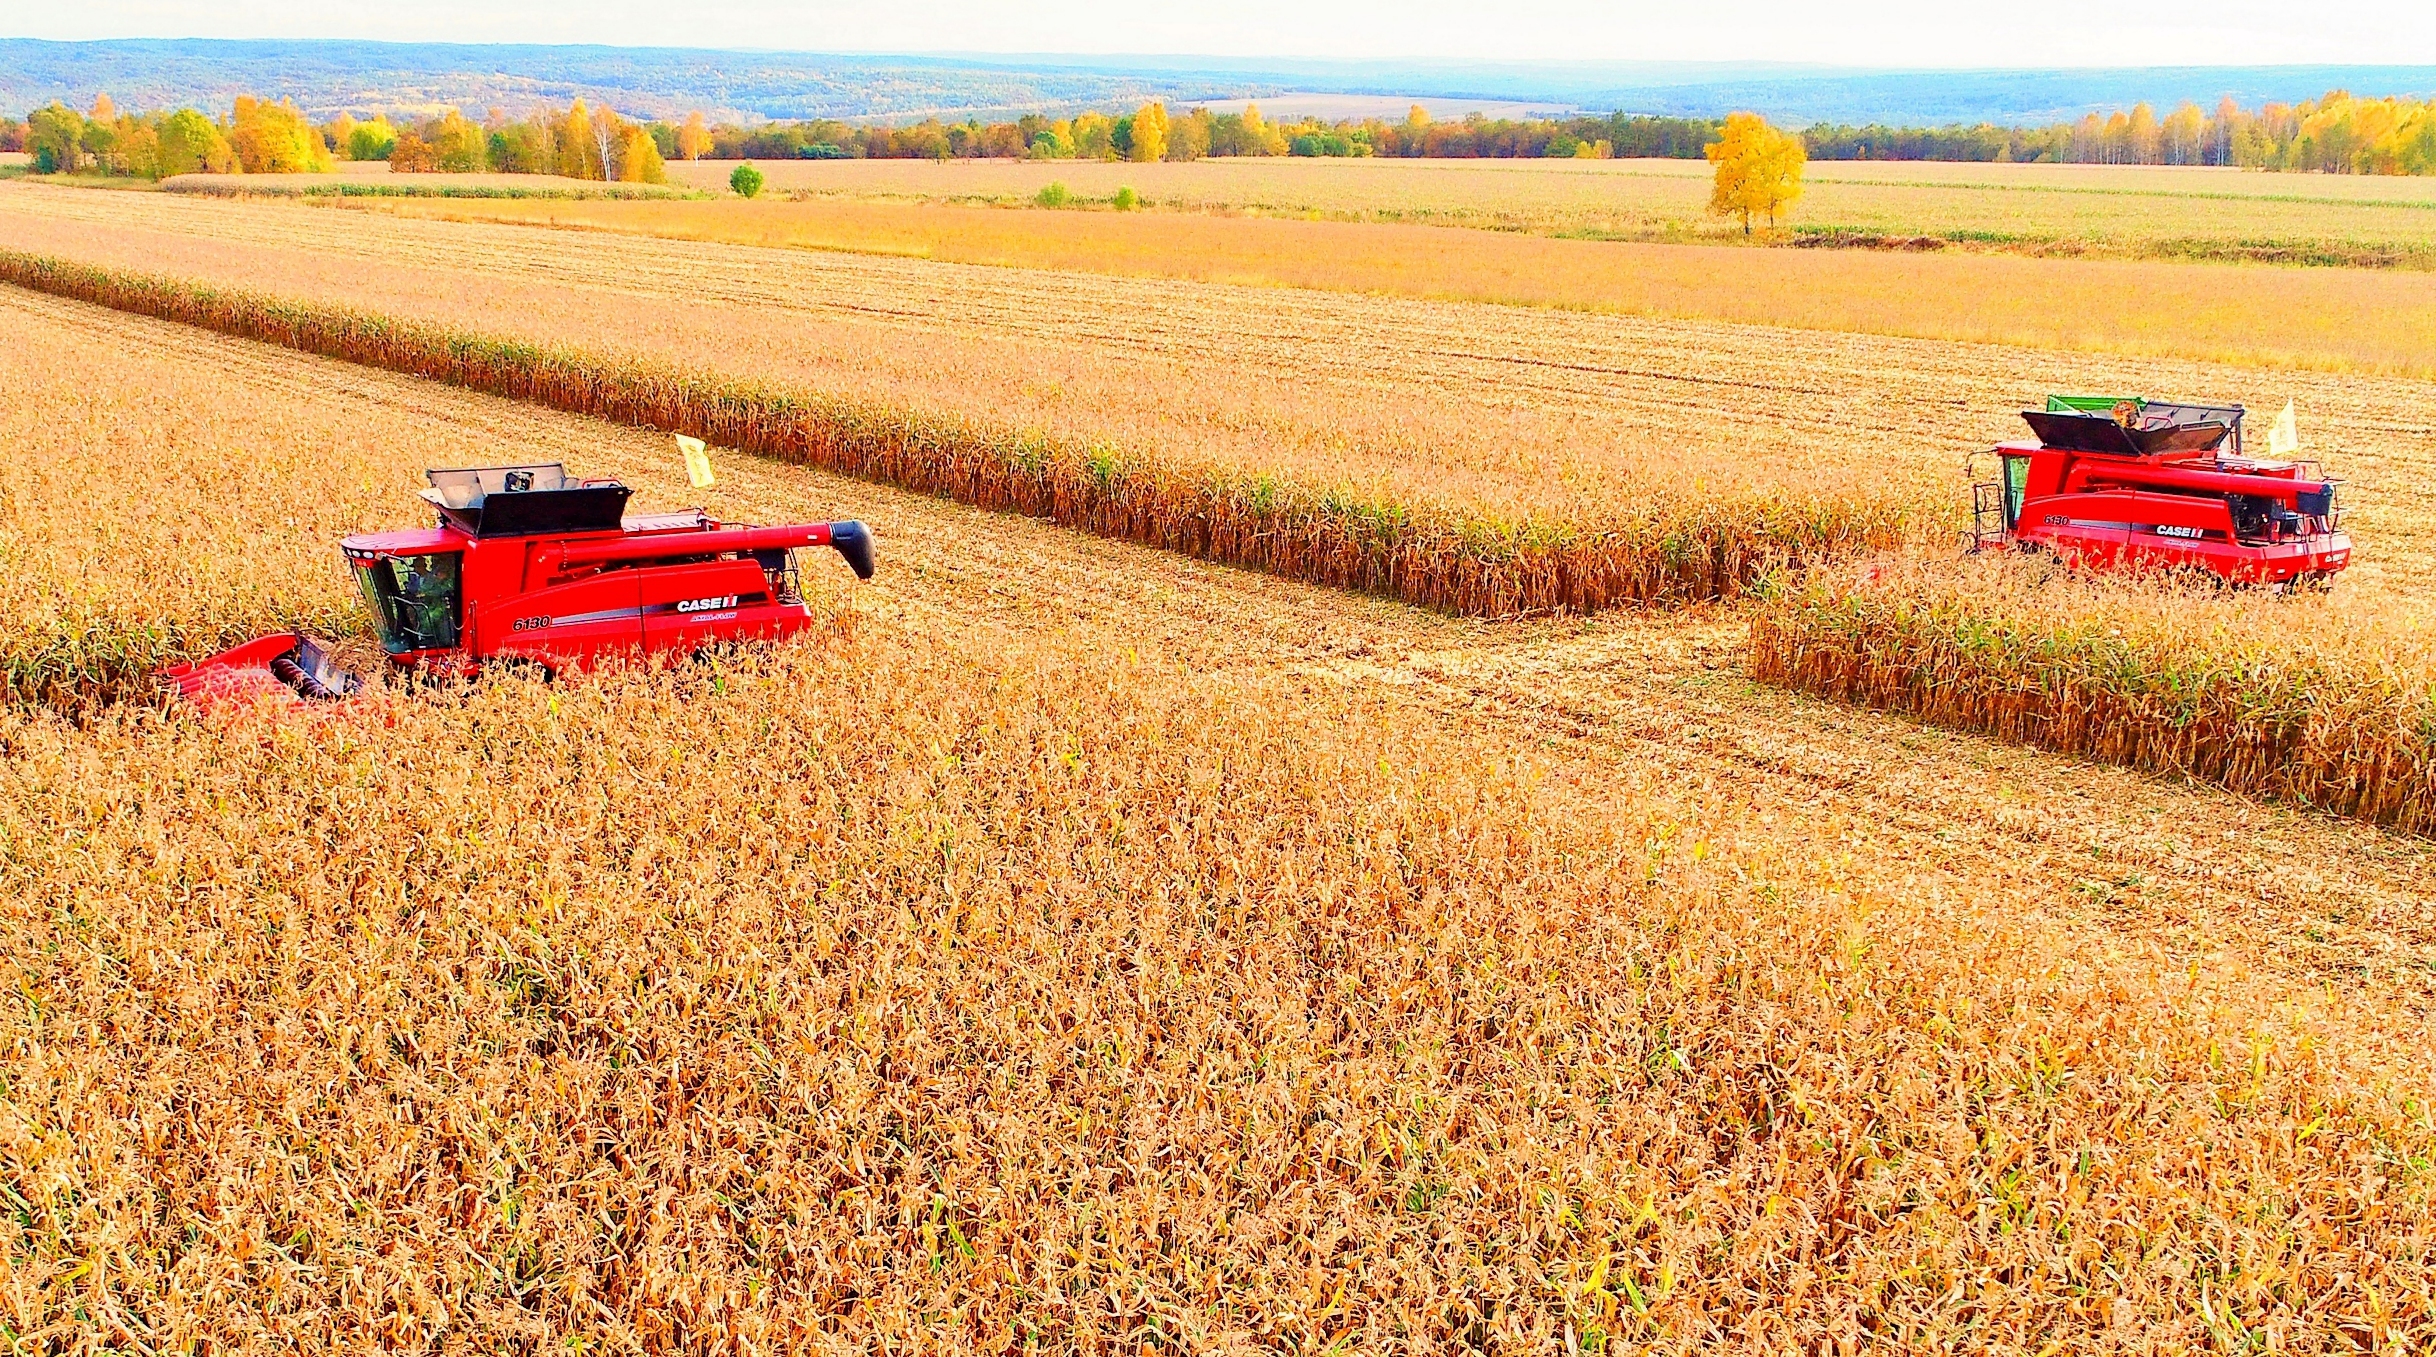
(2336, 134)
(261, 137)
(1151, 132)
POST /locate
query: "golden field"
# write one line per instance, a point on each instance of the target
(2334, 319)
(1503, 986)
(2101, 210)
(362, 183)
(1672, 549)
(1471, 489)
(1513, 414)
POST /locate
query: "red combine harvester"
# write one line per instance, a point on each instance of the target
(2121, 483)
(528, 564)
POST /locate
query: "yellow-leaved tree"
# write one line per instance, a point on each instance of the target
(1092, 132)
(1759, 170)
(193, 144)
(458, 145)
(275, 139)
(638, 157)
(1150, 133)
(578, 157)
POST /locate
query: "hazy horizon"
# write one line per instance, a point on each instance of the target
(1886, 35)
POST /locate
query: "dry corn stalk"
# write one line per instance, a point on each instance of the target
(2285, 699)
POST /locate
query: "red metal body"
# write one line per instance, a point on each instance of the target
(527, 565)
(2207, 509)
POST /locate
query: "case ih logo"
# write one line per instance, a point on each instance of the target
(706, 605)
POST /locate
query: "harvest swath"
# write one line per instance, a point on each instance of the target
(779, 1002)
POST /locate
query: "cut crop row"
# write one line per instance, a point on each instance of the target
(2284, 699)
(1668, 550)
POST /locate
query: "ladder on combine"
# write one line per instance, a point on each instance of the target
(1991, 521)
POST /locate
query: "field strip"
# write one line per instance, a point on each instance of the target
(2319, 701)
(1652, 706)
(2364, 320)
(1667, 553)
(2119, 213)
(2405, 204)
(2288, 320)
(1515, 411)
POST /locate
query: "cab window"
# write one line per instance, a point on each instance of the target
(413, 600)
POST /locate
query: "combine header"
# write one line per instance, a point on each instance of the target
(2121, 483)
(528, 564)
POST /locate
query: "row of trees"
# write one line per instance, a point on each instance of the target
(261, 137)
(577, 142)
(257, 137)
(1153, 132)
(2338, 134)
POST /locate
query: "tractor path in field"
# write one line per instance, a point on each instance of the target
(1777, 784)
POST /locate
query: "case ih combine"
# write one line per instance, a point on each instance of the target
(528, 564)
(2123, 483)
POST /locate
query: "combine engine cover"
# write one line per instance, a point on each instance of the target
(527, 563)
(2115, 484)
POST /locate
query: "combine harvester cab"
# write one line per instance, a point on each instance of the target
(2115, 484)
(527, 564)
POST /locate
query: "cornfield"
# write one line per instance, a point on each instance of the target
(2281, 699)
(1508, 414)
(783, 1002)
(1670, 552)
(1069, 950)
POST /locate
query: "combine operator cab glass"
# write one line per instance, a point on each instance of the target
(2017, 484)
(413, 600)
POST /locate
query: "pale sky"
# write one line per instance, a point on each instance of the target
(1943, 33)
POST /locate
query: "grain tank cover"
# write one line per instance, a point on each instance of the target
(2130, 426)
(524, 501)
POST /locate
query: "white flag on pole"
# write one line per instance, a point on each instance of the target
(2284, 437)
(697, 462)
